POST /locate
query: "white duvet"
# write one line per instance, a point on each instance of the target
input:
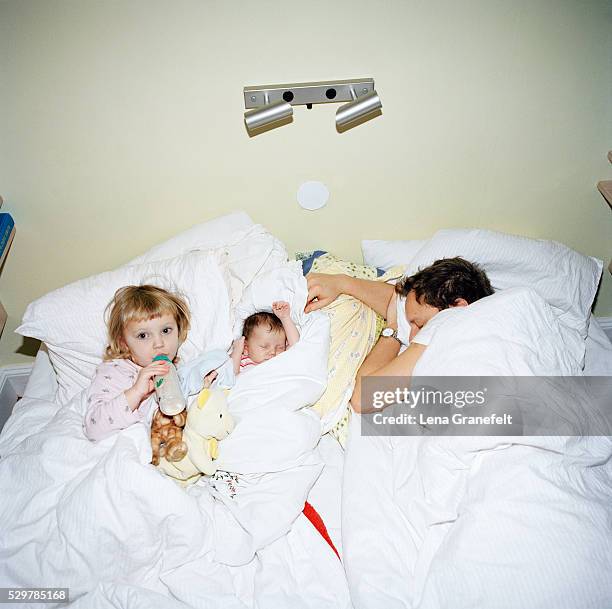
(99, 519)
(491, 522)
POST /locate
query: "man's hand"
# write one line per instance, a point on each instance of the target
(323, 289)
(281, 309)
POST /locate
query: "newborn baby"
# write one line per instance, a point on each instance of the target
(264, 336)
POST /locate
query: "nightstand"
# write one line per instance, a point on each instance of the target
(605, 186)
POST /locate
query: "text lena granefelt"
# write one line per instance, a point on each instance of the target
(405, 418)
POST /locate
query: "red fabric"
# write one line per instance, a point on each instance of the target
(317, 523)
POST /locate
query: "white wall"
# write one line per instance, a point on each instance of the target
(121, 124)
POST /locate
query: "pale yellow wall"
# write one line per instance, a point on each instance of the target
(121, 124)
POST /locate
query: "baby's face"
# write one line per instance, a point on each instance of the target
(264, 344)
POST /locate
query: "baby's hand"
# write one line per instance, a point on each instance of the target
(209, 379)
(237, 351)
(281, 309)
(238, 347)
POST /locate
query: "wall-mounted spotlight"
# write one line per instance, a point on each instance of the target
(269, 116)
(360, 110)
(272, 104)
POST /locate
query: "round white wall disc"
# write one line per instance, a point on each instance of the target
(312, 195)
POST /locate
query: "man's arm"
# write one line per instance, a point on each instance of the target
(384, 361)
(326, 288)
(384, 351)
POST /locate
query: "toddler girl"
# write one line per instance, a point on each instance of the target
(144, 321)
(264, 336)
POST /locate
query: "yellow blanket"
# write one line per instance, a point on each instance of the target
(354, 331)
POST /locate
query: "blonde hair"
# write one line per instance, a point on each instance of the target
(141, 303)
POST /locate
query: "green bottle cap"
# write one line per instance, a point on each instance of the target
(162, 358)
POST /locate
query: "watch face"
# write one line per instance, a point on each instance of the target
(387, 332)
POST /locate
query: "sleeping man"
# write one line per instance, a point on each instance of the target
(456, 519)
(447, 283)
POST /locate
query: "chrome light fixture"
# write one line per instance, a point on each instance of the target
(269, 116)
(270, 106)
(359, 111)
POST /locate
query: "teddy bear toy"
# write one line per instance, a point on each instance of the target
(208, 422)
(167, 437)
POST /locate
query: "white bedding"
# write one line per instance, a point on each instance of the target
(487, 522)
(99, 519)
(426, 523)
(598, 357)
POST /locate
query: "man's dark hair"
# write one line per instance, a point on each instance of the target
(445, 281)
(260, 319)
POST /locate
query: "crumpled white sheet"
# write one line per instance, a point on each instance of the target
(249, 248)
(97, 517)
(495, 522)
(283, 282)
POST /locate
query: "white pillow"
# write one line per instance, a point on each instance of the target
(563, 277)
(250, 248)
(284, 283)
(70, 320)
(514, 333)
(386, 254)
(213, 234)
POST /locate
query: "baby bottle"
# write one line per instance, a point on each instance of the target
(168, 389)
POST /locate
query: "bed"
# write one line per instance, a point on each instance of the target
(99, 519)
(142, 541)
(490, 521)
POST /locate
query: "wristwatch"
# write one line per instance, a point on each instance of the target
(390, 333)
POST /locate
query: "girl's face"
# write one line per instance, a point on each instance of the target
(146, 339)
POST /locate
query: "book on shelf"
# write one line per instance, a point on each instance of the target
(7, 232)
(3, 318)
